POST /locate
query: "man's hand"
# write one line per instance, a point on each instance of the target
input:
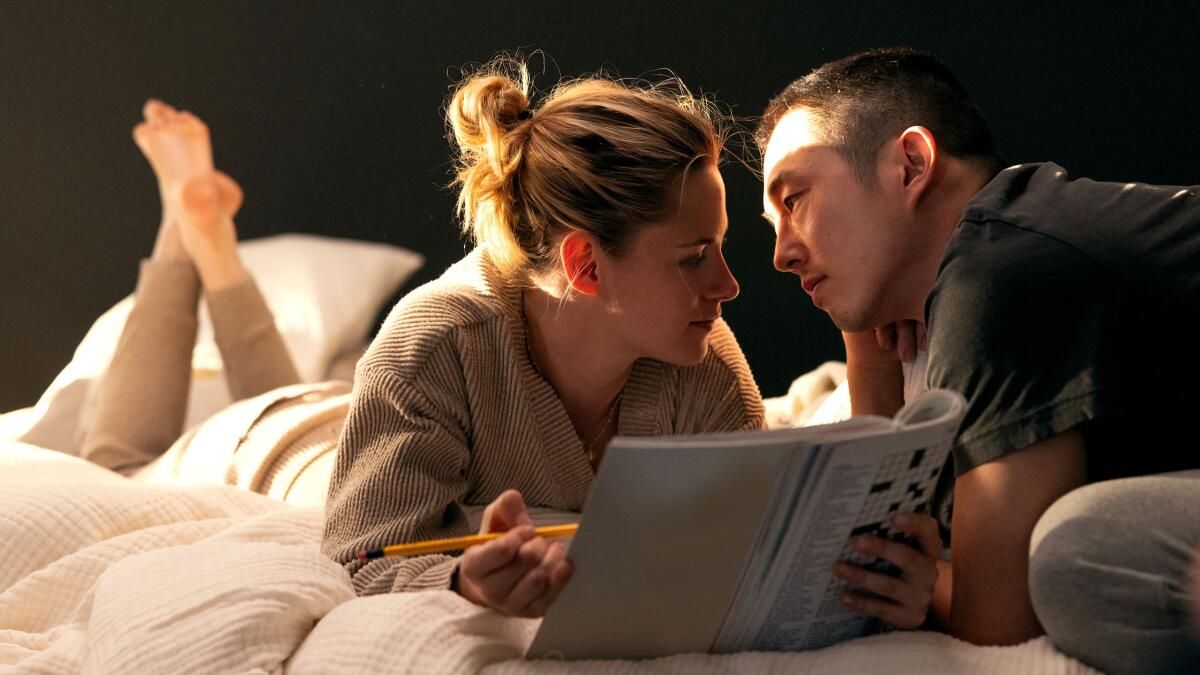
(518, 574)
(905, 337)
(905, 599)
(873, 365)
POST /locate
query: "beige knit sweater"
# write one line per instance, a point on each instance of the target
(447, 410)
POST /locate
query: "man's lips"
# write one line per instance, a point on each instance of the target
(810, 283)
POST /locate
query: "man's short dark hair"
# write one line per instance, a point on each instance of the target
(863, 100)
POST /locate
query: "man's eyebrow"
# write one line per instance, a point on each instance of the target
(767, 217)
(779, 178)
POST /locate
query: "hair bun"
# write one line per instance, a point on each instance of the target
(484, 109)
(482, 114)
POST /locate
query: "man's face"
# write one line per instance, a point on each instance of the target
(842, 237)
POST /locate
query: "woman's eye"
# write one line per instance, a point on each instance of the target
(694, 261)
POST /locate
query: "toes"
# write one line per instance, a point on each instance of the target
(141, 134)
(190, 124)
(156, 112)
(230, 193)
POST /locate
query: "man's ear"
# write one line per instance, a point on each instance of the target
(577, 252)
(919, 156)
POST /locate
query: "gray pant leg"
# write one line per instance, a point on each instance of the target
(1108, 573)
(255, 357)
(142, 398)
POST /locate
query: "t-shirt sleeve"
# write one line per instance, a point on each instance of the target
(1017, 324)
(400, 476)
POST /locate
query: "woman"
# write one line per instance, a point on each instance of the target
(590, 307)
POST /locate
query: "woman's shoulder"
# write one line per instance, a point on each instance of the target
(424, 320)
(719, 393)
(724, 353)
(724, 364)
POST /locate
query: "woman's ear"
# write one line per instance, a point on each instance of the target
(577, 252)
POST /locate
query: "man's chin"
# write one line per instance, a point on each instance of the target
(851, 323)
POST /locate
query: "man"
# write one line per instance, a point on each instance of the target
(1059, 308)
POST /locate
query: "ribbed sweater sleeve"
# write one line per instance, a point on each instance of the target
(400, 476)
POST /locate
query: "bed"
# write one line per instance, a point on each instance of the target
(102, 573)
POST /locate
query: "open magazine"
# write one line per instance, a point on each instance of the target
(726, 542)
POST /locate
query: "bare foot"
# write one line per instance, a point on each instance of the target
(204, 205)
(177, 146)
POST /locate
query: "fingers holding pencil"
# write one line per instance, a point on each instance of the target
(518, 573)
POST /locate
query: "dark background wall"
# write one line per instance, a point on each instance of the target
(329, 116)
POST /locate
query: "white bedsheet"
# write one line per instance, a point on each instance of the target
(102, 575)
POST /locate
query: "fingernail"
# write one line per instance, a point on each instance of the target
(910, 355)
(902, 519)
(862, 544)
(849, 599)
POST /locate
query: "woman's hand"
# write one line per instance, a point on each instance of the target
(518, 574)
(905, 599)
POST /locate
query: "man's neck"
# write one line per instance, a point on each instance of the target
(942, 212)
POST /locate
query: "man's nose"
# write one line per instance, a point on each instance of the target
(790, 252)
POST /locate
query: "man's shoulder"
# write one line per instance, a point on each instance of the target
(1104, 219)
(995, 265)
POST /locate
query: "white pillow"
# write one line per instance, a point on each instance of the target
(324, 293)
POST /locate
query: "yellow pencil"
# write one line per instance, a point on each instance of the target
(456, 543)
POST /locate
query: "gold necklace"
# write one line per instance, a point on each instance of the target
(590, 451)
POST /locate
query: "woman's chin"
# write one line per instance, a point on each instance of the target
(691, 354)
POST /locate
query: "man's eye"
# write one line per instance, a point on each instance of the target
(790, 201)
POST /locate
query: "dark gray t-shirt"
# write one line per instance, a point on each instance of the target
(1067, 303)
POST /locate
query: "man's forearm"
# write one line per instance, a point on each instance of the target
(874, 376)
(875, 389)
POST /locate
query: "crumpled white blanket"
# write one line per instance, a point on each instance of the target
(102, 575)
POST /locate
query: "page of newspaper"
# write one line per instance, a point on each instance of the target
(663, 539)
(852, 487)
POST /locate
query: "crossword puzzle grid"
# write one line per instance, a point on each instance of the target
(898, 486)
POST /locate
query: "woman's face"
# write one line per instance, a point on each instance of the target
(665, 293)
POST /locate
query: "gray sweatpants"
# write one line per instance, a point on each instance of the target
(142, 399)
(1109, 573)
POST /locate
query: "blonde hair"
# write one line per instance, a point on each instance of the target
(598, 154)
